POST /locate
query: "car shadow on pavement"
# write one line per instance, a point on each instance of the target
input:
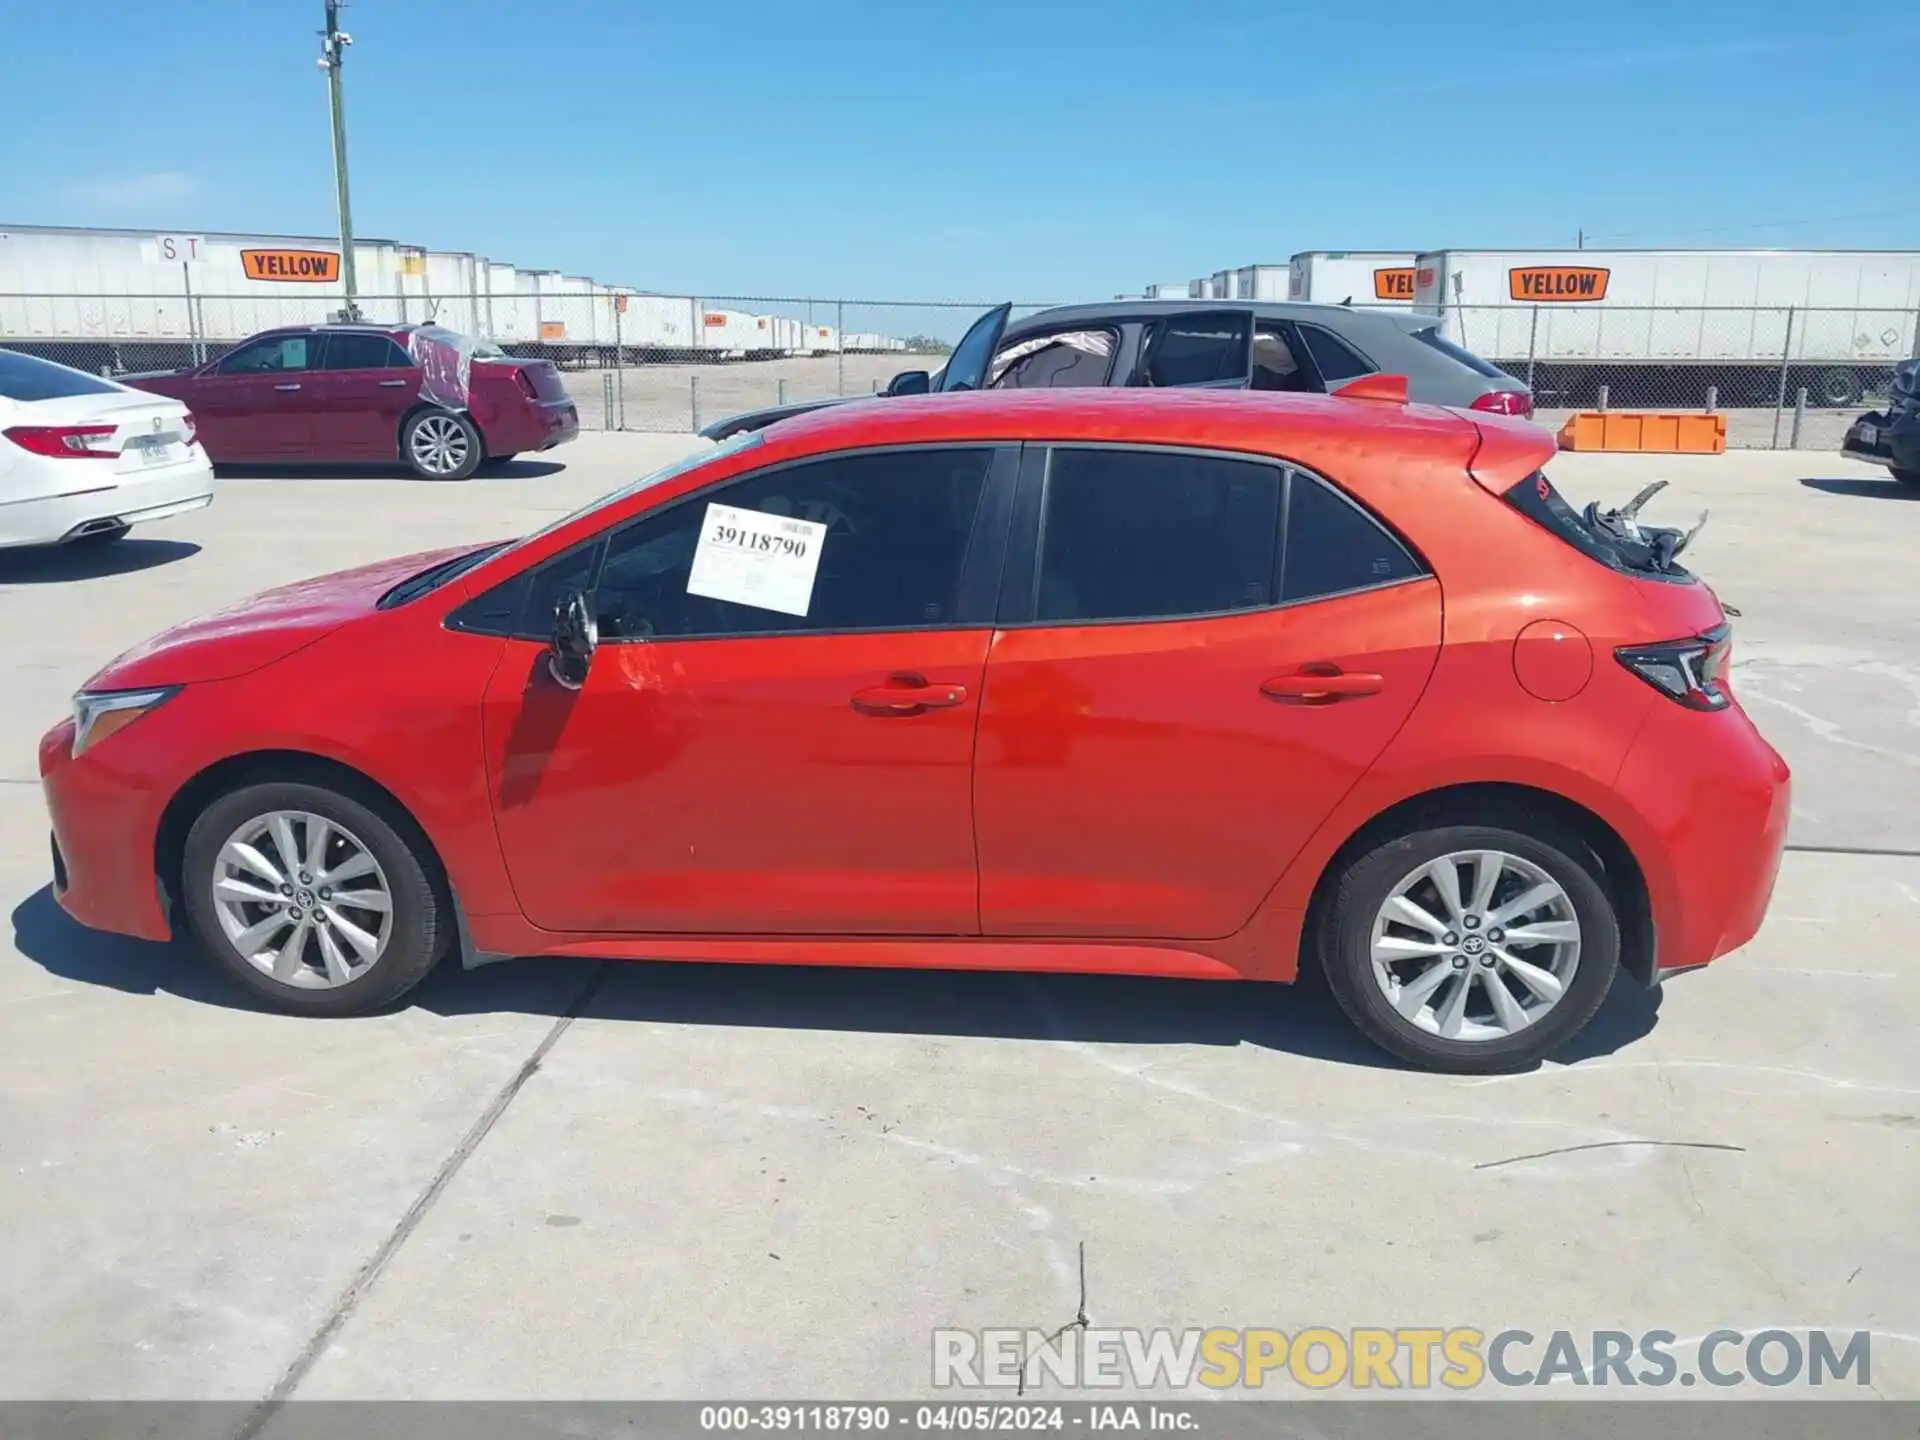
(1104, 1009)
(1887, 489)
(53, 564)
(529, 469)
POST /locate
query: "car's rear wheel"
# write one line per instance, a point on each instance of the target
(313, 900)
(441, 445)
(1472, 948)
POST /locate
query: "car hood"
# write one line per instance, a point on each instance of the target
(258, 631)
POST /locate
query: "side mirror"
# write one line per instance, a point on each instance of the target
(576, 635)
(909, 382)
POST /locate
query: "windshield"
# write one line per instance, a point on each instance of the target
(744, 440)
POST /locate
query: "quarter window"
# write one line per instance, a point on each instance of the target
(1334, 546)
(1337, 360)
(1133, 534)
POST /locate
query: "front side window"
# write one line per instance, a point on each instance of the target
(1071, 358)
(1208, 349)
(891, 531)
(274, 356)
(1135, 535)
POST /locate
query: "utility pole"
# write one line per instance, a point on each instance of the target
(333, 44)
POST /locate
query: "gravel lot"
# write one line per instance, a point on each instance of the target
(574, 1179)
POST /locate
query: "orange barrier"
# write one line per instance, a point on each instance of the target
(1630, 430)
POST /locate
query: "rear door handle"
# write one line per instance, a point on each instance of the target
(392, 384)
(286, 387)
(907, 694)
(1321, 685)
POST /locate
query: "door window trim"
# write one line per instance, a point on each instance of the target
(975, 590)
(1020, 593)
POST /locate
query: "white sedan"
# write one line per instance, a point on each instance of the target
(83, 459)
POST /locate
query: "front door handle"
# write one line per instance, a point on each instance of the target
(286, 387)
(1321, 685)
(392, 384)
(907, 694)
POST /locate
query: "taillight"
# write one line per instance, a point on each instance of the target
(65, 442)
(1691, 672)
(189, 427)
(526, 383)
(1505, 402)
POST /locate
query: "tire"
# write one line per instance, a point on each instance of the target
(441, 445)
(1908, 478)
(98, 539)
(414, 933)
(1532, 848)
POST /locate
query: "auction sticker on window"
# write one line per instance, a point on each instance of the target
(751, 558)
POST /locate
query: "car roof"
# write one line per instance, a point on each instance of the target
(1116, 311)
(1266, 422)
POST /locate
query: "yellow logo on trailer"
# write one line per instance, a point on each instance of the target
(1557, 282)
(307, 267)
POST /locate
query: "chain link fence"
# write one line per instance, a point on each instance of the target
(1783, 377)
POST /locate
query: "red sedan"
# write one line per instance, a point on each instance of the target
(417, 393)
(1150, 682)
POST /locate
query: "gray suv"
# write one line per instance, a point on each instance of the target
(1217, 344)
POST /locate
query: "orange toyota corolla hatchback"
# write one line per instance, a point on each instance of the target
(1169, 683)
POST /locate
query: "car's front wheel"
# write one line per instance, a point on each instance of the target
(313, 900)
(1472, 948)
(441, 445)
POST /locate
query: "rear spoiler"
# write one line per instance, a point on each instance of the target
(1508, 451)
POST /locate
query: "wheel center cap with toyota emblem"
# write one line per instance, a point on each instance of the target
(1473, 944)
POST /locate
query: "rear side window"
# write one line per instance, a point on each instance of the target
(1199, 349)
(1433, 339)
(1334, 357)
(348, 351)
(22, 377)
(1333, 546)
(1133, 535)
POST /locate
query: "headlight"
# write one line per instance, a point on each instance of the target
(99, 713)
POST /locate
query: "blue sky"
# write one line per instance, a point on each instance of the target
(1038, 150)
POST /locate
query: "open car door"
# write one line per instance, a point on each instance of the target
(967, 366)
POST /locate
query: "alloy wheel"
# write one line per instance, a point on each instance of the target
(439, 444)
(302, 899)
(1476, 945)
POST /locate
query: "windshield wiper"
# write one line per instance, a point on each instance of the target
(434, 576)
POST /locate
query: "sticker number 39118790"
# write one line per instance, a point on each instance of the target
(751, 558)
